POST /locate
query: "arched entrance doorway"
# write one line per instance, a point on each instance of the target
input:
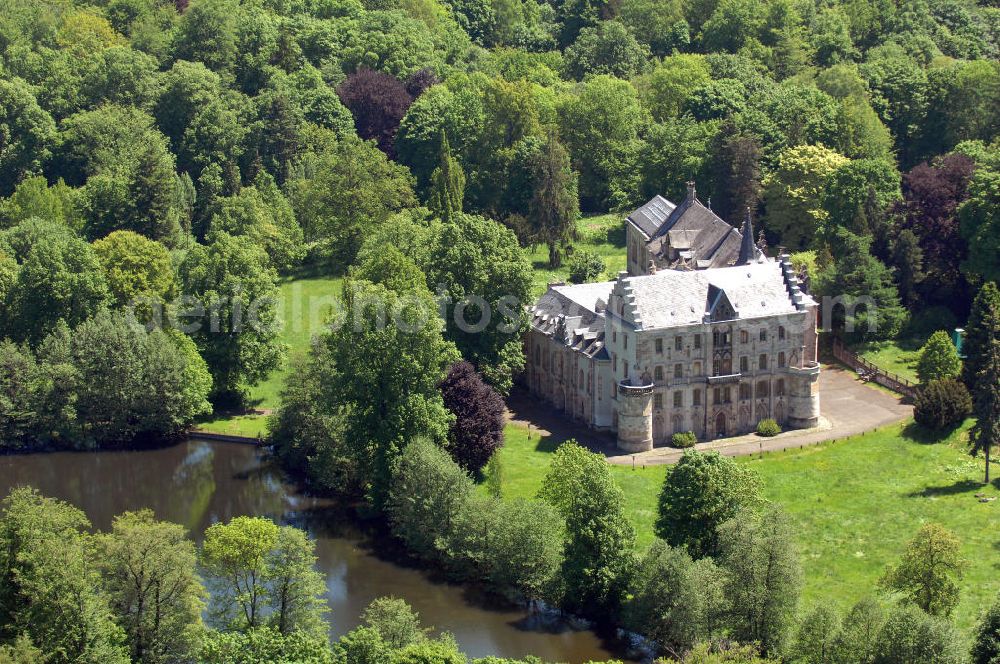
(720, 425)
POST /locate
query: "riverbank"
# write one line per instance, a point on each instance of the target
(197, 483)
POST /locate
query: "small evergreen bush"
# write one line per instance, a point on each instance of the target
(683, 439)
(586, 266)
(942, 403)
(768, 428)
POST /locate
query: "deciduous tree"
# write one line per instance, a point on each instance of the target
(477, 432)
(235, 326)
(378, 102)
(598, 563)
(386, 361)
(764, 578)
(49, 586)
(149, 571)
(28, 135)
(793, 193)
(928, 571)
(700, 492)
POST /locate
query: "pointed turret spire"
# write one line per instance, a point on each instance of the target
(748, 250)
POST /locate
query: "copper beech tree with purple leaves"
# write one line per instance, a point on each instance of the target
(478, 428)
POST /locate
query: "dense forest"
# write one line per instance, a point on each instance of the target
(165, 163)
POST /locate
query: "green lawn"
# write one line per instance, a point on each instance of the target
(302, 307)
(898, 357)
(603, 234)
(855, 504)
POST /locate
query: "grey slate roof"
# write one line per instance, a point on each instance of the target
(672, 298)
(650, 217)
(571, 313)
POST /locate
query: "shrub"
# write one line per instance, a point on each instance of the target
(684, 439)
(938, 359)
(768, 428)
(942, 403)
(586, 266)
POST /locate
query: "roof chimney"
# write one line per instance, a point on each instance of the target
(692, 193)
(748, 250)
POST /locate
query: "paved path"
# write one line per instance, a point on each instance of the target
(848, 407)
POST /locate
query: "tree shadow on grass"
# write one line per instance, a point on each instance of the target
(961, 486)
(921, 434)
(549, 428)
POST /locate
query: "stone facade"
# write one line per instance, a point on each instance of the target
(711, 351)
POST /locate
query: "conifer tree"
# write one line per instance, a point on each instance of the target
(938, 359)
(447, 184)
(986, 404)
(983, 325)
(554, 204)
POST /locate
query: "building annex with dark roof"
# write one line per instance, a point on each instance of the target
(688, 236)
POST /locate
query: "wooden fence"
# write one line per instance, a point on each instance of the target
(869, 371)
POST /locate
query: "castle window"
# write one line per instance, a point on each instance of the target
(659, 345)
(744, 337)
(727, 394)
(781, 332)
(678, 343)
(678, 371)
(696, 371)
(762, 362)
(614, 362)
(763, 334)
(722, 338)
(744, 364)
(600, 388)
(658, 372)
(614, 336)
(614, 389)
(678, 399)
(717, 395)
(658, 401)
(744, 392)
(625, 369)
(781, 359)
(779, 387)
(697, 397)
(763, 389)
(697, 341)
(625, 340)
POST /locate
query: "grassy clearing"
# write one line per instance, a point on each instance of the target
(302, 306)
(855, 504)
(603, 234)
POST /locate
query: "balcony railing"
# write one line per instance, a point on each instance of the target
(627, 389)
(724, 379)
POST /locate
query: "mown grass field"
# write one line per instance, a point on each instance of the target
(303, 305)
(854, 504)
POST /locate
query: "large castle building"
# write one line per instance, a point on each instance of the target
(702, 333)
